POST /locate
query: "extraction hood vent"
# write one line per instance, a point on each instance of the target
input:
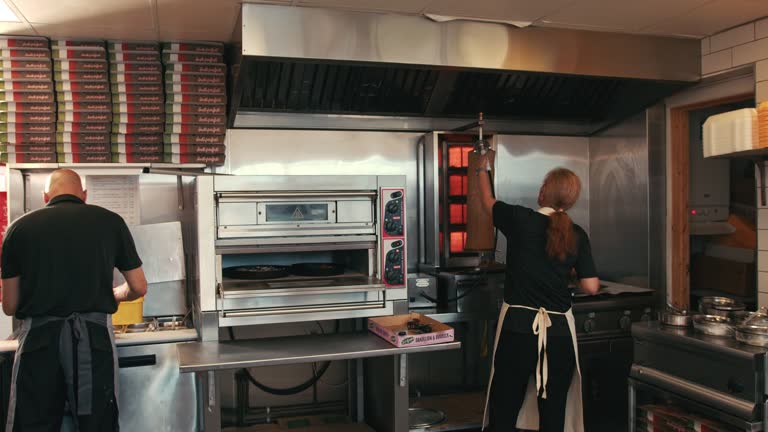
(363, 71)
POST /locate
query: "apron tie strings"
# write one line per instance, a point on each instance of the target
(540, 325)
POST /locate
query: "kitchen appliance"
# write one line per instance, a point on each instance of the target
(422, 291)
(344, 236)
(472, 291)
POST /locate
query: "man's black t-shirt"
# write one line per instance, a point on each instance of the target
(65, 254)
(533, 278)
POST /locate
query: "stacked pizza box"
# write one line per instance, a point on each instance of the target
(138, 102)
(27, 101)
(81, 74)
(196, 102)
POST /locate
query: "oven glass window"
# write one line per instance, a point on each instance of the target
(296, 212)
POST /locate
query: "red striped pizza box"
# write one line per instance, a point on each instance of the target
(79, 54)
(85, 106)
(36, 97)
(147, 88)
(196, 119)
(13, 53)
(83, 87)
(85, 116)
(138, 128)
(184, 57)
(193, 139)
(31, 138)
(83, 97)
(27, 148)
(28, 117)
(135, 77)
(197, 68)
(82, 76)
(102, 147)
(84, 157)
(195, 129)
(194, 47)
(26, 86)
(83, 127)
(193, 78)
(194, 158)
(81, 65)
(138, 97)
(185, 149)
(121, 46)
(137, 157)
(26, 64)
(27, 127)
(122, 118)
(28, 157)
(23, 42)
(134, 56)
(26, 75)
(138, 108)
(172, 108)
(198, 99)
(82, 137)
(136, 139)
(76, 43)
(137, 148)
(146, 67)
(203, 89)
(27, 107)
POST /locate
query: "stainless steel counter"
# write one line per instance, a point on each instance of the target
(130, 339)
(211, 356)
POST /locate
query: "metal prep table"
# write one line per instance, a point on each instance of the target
(717, 377)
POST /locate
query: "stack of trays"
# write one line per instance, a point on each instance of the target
(84, 101)
(762, 125)
(196, 102)
(138, 96)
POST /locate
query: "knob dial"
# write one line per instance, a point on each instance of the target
(589, 325)
(625, 322)
(393, 207)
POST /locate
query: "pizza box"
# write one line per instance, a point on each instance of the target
(84, 157)
(25, 53)
(83, 97)
(81, 65)
(194, 158)
(188, 57)
(136, 139)
(133, 46)
(194, 78)
(83, 127)
(36, 97)
(83, 148)
(124, 56)
(197, 68)
(26, 64)
(196, 119)
(138, 108)
(82, 137)
(27, 107)
(135, 77)
(85, 117)
(194, 47)
(185, 149)
(28, 117)
(138, 97)
(197, 99)
(137, 148)
(27, 127)
(79, 54)
(83, 87)
(85, 106)
(148, 88)
(82, 76)
(394, 329)
(31, 138)
(195, 129)
(147, 67)
(123, 118)
(28, 148)
(138, 128)
(26, 86)
(193, 139)
(198, 89)
(77, 43)
(137, 158)
(28, 157)
(26, 75)
(23, 42)
(172, 108)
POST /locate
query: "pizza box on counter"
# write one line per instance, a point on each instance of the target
(83, 97)
(28, 148)
(138, 97)
(137, 148)
(196, 119)
(31, 138)
(79, 54)
(14, 128)
(148, 88)
(193, 139)
(37, 64)
(85, 117)
(81, 65)
(82, 137)
(138, 128)
(185, 149)
(188, 57)
(77, 43)
(394, 329)
(27, 107)
(84, 157)
(198, 99)
(23, 42)
(195, 129)
(135, 77)
(85, 106)
(28, 157)
(136, 67)
(137, 158)
(197, 68)
(123, 118)
(36, 97)
(83, 87)
(136, 139)
(37, 75)
(82, 76)
(127, 56)
(194, 47)
(138, 108)
(83, 127)
(27, 117)
(198, 89)
(194, 78)
(27, 86)
(83, 148)
(172, 108)
(194, 158)
(25, 53)
(132, 46)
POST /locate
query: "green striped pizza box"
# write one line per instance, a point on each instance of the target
(138, 108)
(81, 65)
(76, 43)
(202, 89)
(35, 97)
(142, 67)
(138, 128)
(28, 117)
(149, 88)
(83, 127)
(27, 148)
(39, 75)
(193, 78)
(83, 87)
(137, 157)
(196, 119)
(27, 127)
(25, 64)
(31, 138)
(27, 107)
(137, 148)
(197, 99)
(85, 116)
(197, 68)
(194, 158)
(124, 56)
(139, 97)
(85, 106)
(81, 76)
(195, 129)
(102, 147)
(135, 77)
(26, 86)
(83, 97)
(133, 46)
(82, 137)
(84, 157)
(124, 118)
(185, 149)
(194, 47)
(136, 139)
(187, 57)
(193, 139)
(25, 53)
(172, 108)
(79, 54)
(28, 157)
(23, 42)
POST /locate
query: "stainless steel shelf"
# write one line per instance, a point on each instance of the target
(210, 356)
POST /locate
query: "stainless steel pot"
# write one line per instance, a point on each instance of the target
(713, 325)
(676, 318)
(735, 311)
(754, 330)
(705, 303)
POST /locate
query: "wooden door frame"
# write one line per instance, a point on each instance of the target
(679, 171)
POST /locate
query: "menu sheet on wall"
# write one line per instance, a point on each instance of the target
(119, 194)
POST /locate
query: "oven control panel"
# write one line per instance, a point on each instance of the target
(393, 236)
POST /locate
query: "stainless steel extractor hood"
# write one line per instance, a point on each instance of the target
(353, 70)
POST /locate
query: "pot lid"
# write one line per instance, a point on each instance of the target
(757, 323)
(735, 306)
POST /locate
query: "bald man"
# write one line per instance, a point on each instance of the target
(57, 267)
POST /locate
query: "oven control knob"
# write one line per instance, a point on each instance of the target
(589, 325)
(389, 226)
(393, 207)
(625, 322)
(393, 256)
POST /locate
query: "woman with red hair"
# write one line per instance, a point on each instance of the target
(535, 380)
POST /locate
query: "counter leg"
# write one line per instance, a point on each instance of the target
(208, 401)
(632, 406)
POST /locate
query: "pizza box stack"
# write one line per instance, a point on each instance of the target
(27, 101)
(81, 75)
(138, 97)
(664, 418)
(195, 102)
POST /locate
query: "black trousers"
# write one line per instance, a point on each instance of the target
(41, 391)
(515, 363)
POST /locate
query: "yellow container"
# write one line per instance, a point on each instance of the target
(129, 312)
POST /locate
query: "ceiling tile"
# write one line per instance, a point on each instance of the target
(619, 15)
(214, 35)
(199, 16)
(502, 10)
(712, 17)
(16, 28)
(136, 14)
(401, 6)
(67, 30)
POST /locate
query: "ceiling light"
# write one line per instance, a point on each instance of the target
(7, 14)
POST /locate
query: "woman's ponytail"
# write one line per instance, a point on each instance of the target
(561, 240)
(560, 192)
